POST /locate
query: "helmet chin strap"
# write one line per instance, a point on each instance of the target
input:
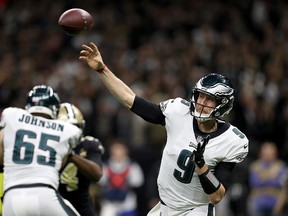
(202, 117)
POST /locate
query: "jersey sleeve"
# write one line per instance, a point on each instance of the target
(8, 114)
(74, 139)
(4, 115)
(2, 121)
(177, 105)
(239, 149)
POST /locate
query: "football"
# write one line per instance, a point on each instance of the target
(75, 21)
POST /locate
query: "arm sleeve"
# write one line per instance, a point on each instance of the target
(223, 173)
(148, 111)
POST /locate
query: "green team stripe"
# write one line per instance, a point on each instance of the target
(210, 209)
(66, 208)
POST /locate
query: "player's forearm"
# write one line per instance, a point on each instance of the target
(117, 88)
(88, 168)
(212, 187)
(217, 196)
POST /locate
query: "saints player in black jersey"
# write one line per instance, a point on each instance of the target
(83, 167)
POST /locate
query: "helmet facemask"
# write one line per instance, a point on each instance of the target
(200, 115)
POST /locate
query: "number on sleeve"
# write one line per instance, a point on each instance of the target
(238, 133)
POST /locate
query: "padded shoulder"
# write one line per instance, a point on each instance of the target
(177, 105)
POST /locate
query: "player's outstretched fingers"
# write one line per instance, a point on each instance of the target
(84, 52)
(87, 48)
(94, 48)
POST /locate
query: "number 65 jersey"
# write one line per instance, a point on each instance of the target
(178, 181)
(34, 147)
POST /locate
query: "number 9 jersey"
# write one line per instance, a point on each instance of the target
(178, 179)
(34, 147)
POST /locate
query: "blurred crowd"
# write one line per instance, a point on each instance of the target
(160, 48)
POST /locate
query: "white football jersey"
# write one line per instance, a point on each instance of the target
(178, 181)
(34, 147)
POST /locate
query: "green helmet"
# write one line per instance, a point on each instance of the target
(44, 100)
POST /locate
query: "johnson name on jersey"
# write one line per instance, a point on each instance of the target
(35, 147)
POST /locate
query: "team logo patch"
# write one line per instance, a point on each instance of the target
(163, 105)
(36, 99)
(199, 139)
(185, 102)
(241, 157)
(191, 144)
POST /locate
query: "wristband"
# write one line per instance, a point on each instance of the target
(100, 70)
(209, 182)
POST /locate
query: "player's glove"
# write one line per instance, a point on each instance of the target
(197, 156)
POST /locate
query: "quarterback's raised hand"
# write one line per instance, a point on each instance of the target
(116, 86)
(92, 56)
(197, 156)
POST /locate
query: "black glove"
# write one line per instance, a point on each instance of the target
(197, 156)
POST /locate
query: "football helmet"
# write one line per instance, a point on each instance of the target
(70, 113)
(43, 99)
(220, 88)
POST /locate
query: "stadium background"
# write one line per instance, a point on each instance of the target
(159, 48)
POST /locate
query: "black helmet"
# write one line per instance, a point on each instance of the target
(43, 99)
(217, 86)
